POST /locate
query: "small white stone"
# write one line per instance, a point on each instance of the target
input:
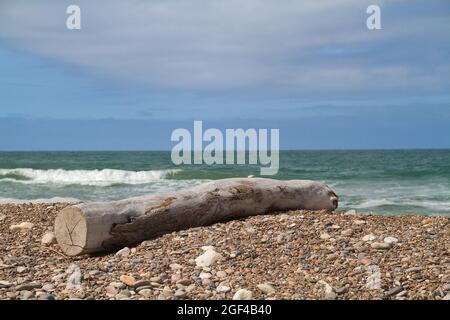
(24, 226)
(369, 237)
(205, 275)
(74, 280)
(390, 240)
(243, 294)
(223, 288)
(48, 239)
(328, 291)
(381, 245)
(208, 258)
(21, 269)
(125, 252)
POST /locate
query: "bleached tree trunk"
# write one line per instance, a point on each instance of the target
(102, 226)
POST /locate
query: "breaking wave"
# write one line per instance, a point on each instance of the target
(104, 177)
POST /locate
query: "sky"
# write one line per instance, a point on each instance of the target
(138, 70)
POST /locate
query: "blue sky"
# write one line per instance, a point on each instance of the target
(137, 71)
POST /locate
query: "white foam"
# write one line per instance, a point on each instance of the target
(102, 177)
(38, 201)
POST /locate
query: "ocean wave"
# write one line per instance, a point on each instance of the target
(39, 201)
(104, 177)
(430, 205)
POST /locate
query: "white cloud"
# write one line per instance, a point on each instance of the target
(222, 44)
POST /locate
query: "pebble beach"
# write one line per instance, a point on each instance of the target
(293, 255)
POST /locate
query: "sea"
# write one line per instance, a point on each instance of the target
(373, 181)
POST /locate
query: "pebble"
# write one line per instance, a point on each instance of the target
(25, 294)
(329, 293)
(347, 232)
(266, 288)
(369, 237)
(402, 294)
(447, 297)
(175, 266)
(341, 290)
(180, 293)
(208, 258)
(381, 245)
(243, 294)
(21, 269)
(28, 286)
(128, 280)
(413, 269)
(48, 239)
(325, 236)
(4, 284)
(221, 274)
(2, 216)
(223, 289)
(46, 296)
(446, 287)
(24, 226)
(74, 279)
(393, 291)
(146, 292)
(184, 282)
(111, 291)
(390, 240)
(118, 285)
(205, 275)
(141, 283)
(48, 287)
(125, 252)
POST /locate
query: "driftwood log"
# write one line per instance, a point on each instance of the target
(103, 226)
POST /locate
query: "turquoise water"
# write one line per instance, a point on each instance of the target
(380, 181)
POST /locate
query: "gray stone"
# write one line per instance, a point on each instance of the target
(4, 284)
(74, 280)
(393, 291)
(48, 287)
(46, 296)
(26, 294)
(28, 286)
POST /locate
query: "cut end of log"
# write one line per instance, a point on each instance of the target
(71, 231)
